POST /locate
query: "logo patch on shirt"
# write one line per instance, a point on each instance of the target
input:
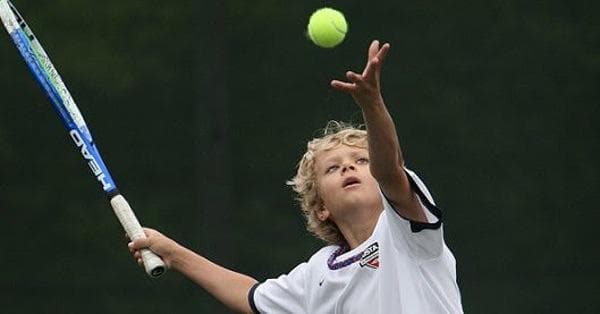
(370, 257)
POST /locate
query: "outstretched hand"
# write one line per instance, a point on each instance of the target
(365, 87)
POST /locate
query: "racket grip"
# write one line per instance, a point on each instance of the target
(153, 264)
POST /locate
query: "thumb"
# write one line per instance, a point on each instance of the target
(140, 243)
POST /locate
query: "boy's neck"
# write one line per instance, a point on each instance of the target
(359, 229)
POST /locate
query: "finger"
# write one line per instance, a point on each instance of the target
(355, 78)
(383, 52)
(140, 243)
(374, 64)
(343, 86)
(140, 261)
(150, 232)
(371, 68)
(137, 255)
(373, 48)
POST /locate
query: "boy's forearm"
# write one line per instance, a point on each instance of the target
(384, 148)
(387, 163)
(229, 287)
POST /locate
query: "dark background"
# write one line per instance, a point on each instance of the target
(201, 110)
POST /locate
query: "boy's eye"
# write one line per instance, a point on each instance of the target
(362, 160)
(331, 169)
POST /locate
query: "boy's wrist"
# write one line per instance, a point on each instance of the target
(374, 105)
(177, 258)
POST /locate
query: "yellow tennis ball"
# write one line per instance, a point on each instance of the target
(327, 27)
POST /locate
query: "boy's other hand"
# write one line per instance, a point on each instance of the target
(157, 243)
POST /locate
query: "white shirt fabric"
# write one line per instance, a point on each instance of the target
(404, 267)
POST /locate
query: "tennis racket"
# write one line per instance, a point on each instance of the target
(48, 78)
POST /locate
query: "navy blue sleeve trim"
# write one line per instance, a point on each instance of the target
(251, 298)
(416, 226)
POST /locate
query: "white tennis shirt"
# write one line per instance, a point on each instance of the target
(404, 267)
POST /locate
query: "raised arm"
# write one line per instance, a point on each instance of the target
(229, 287)
(386, 161)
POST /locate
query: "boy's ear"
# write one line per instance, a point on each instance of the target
(323, 213)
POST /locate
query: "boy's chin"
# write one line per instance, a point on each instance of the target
(357, 197)
(360, 191)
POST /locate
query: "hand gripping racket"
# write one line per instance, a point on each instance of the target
(48, 78)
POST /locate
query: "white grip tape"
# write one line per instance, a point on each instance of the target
(152, 263)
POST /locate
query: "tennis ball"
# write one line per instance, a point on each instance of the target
(327, 27)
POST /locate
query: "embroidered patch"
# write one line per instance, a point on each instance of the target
(370, 257)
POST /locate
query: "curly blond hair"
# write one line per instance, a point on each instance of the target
(305, 182)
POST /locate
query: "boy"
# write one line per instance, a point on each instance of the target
(386, 250)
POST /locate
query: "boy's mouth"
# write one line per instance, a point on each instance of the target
(350, 181)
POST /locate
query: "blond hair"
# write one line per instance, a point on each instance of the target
(305, 182)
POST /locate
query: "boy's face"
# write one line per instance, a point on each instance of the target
(345, 183)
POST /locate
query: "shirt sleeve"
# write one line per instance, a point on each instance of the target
(424, 240)
(285, 294)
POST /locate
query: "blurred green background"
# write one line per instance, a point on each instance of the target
(201, 110)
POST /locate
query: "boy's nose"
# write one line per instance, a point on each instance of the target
(348, 167)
